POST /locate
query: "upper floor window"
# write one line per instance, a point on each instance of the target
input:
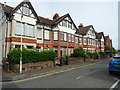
(55, 35)
(80, 40)
(30, 30)
(69, 25)
(72, 38)
(76, 40)
(64, 23)
(85, 41)
(65, 36)
(20, 28)
(61, 36)
(39, 33)
(47, 34)
(26, 10)
(69, 38)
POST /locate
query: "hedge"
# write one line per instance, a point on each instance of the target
(79, 52)
(90, 55)
(30, 55)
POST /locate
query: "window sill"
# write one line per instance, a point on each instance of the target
(39, 38)
(46, 39)
(30, 36)
(55, 40)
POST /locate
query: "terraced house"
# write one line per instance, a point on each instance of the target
(60, 33)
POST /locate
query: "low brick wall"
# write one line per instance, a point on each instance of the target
(78, 60)
(32, 66)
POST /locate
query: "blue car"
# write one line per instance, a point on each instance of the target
(114, 64)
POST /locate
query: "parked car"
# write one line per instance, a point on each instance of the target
(114, 64)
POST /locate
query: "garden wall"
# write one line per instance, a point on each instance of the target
(32, 66)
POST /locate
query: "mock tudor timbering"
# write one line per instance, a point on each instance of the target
(60, 34)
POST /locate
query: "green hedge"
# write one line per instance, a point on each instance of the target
(90, 55)
(30, 55)
(79, 52)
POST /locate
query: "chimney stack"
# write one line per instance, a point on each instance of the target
(56, 16)
(81, 25)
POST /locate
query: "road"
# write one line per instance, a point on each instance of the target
(90, 76)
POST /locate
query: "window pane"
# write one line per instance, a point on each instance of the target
(26, 11)
(39, 33)
(19, 28)
(30, 30)
(62, 36)
(65, 37)
(72, 38)
(69, 38)
(55, 35)
(47, 36)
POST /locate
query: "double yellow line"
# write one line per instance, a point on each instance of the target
(44, 75)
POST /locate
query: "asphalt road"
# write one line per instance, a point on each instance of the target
(91, 76)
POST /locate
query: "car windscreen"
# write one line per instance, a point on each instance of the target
(116, 59)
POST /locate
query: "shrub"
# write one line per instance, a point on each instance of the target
(30, 55)
(79, 52)
(102, 54)
(90, 55)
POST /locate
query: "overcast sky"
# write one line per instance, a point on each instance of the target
(102, 14)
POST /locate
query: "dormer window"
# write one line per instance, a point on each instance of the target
(26, 10)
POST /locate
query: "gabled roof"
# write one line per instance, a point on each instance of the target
(99, 35)
(55, 22)
(107, 37)
(84, 30)
(12, 10)
(46, 21)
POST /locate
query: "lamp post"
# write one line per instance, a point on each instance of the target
(21, 47)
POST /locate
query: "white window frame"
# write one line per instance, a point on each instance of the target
(20, 28)
(69, 37)
(65, 37)
(85, 42)
(73, 38)
(26, 10)
(76, 40)
(47, 35)
(55, 35)
(39, 33)
(30, 30)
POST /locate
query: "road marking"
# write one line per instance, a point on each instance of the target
(91, 72)
(31, 78)
(114, 85)
(79, 77)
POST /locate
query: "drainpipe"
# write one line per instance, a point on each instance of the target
(43, 37)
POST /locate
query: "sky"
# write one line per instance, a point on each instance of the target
(102, 14)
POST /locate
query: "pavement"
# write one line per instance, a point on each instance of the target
(7, 76)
